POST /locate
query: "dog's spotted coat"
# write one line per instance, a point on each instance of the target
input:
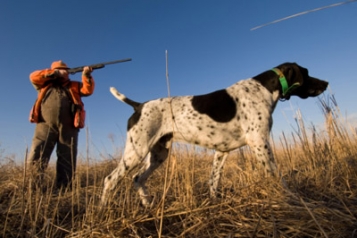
(223, 120)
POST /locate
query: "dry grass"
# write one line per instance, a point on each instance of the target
(320, 169)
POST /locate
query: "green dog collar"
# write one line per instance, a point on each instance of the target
(284, 83)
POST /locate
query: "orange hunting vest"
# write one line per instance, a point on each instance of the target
(74, 90)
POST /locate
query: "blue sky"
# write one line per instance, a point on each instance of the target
(210, 46)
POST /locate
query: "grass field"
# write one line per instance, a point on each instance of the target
(319, 167)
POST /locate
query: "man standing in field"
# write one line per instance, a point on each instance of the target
(59, 114)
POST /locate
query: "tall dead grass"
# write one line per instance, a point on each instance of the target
(318, 165)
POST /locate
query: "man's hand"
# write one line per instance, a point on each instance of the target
(87, 71)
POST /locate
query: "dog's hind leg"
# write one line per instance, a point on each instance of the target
(131, 159)
(218, 162)
(157, 156)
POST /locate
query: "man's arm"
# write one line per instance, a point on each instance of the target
(39, 78)
(88, 83)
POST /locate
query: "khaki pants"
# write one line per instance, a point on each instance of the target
(55, 129)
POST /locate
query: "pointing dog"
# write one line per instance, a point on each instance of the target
(223, 120)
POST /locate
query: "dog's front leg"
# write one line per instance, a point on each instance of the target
(218, 162)
(262, 150)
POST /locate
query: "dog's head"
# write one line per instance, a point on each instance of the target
(304, 85)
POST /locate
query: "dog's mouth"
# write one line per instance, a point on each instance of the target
(310, 93)
(305, 94)
(314, 87)
(316, 92)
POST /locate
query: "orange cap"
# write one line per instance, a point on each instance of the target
(59, 65)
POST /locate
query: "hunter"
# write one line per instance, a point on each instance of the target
(59, 115)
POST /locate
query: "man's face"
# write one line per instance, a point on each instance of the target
(63, 73)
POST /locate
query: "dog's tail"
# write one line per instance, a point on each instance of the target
(123, 98)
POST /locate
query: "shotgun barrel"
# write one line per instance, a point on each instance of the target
(97, 66)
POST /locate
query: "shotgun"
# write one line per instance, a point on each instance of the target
(96, 66)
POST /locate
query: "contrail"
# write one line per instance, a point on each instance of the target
(303, 13)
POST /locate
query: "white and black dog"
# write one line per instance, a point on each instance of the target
(223, 120)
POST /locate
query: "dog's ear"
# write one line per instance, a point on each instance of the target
(307, 86)
(291, 78)
(294, 74)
